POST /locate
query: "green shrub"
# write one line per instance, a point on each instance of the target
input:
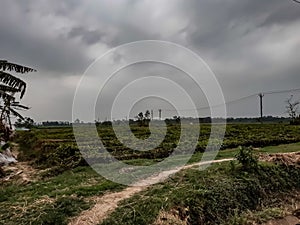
(247, 158)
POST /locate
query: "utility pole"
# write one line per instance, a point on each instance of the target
(151, 114)
(159, 113)
(261, 95)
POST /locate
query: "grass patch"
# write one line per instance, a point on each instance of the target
(213, 196)
(53, 213)
(65, 193)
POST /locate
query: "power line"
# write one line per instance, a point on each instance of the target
(282, 91)
(214, 106)
(237, 100)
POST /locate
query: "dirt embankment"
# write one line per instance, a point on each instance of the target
(282, 158)
(288, 220)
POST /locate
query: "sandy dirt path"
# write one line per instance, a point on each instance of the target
(107, 203)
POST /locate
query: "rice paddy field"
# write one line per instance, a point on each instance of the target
(60, 185)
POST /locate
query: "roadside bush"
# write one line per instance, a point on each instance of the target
(247, 158)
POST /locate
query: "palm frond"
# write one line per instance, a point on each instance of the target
(13, 81)
(5, 65)
(6, 88)
(18, 106)
(14, 113)
(6, 96)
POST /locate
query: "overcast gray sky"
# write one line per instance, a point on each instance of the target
(251, 45)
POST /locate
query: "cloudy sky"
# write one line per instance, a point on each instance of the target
(251, 46)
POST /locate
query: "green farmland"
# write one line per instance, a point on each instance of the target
(63, 185)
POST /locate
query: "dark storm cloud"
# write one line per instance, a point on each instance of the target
(251, 45)
(216, 24)
(246, 40)
(55, 56)
(25, 39)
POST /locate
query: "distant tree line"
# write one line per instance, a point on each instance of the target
(55, 123)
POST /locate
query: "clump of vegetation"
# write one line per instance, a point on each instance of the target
(56, 157)
(247, 158)
(60, 159)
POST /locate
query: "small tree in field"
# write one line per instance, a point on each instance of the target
(247, 158)
(292, 109)
(143, 118)
(140, 116)
(147, 115)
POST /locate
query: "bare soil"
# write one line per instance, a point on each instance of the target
(21, 172)
(282, 158)
(288, 220)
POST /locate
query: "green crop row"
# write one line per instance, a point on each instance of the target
(57, 146)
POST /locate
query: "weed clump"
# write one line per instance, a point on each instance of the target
(247, 158)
